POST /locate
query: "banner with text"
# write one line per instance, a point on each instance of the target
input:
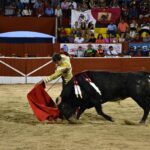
(72, 48)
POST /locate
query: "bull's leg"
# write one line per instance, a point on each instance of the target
(80, 111)
(145, 115)
(145, 106)
(100, 112)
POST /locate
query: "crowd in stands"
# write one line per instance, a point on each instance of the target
(133, 26)
(91, 50)
(130, 9)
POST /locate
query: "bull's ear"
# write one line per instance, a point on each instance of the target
(58, 100)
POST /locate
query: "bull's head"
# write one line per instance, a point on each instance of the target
(66, 111)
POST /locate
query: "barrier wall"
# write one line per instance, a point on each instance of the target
(35, 49)
(42, 24)
(31, 70)
(32, 49)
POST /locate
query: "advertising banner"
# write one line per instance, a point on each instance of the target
(72, 48)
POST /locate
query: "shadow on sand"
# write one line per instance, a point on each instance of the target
(18, 117)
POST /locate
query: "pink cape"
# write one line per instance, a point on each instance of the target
(41, 103)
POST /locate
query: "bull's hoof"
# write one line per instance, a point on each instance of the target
(73, 120)
(109, 118)
(142, 122)
(112, 120)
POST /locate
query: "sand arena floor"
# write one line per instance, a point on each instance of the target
(20, 130)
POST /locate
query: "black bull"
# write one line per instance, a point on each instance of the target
(113, 86)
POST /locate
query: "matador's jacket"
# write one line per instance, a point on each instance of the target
(64, 69)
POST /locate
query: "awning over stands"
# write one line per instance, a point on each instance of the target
(26, 37)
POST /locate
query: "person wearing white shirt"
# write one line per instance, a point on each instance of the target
(72, 4)
(26, 11)
(58, 14)
(111, 52)
(79, 39)
(79, 52)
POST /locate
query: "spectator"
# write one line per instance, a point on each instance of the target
(64, 5)
(58, 14)
(92, 38)
(76, 25)
(26, 11)
(100, 39)
(39, 8)
(122, 39)
(62, 36)
(111, 52)
(114, 39)
(133, 28)
(114, 4)
(63, 52)
(144, 51)
(144, 27)
(146, 38)
(137, 38)
(123, 28)
(65, 8)
(79, 39)
(133, 13)
(87, 35)
(83, 26)
(79, 52)
(82, 20)
(134, 3)
(18, 13)
(125, 12)
(49, 11)
(72, 4)
(102, 3)
(76, 28)
(125, 2)
(62, 31)
(10, 9)
(55, 3)
(93, 3)
(65, 48)
(144, 8)
(90, 25)
(100, 51)
(79, 7)
(109, 39)
(90, 51)
(71, 38)
(87, 3)
(84, 6)
(133, 52)
(20, 6)
(111, 29)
